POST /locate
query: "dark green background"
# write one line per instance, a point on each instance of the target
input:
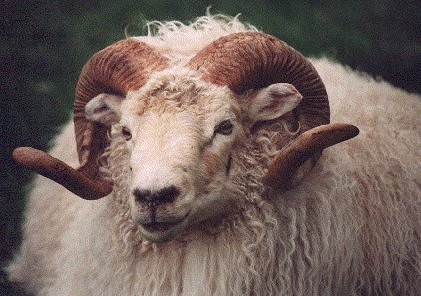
(45, 44)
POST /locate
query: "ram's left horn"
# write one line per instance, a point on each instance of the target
(305, 146)
(56, 170)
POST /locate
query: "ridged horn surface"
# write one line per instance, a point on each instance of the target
(252, 60)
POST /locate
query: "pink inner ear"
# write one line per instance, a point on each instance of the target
(283, 91)
(293, 89)
(277, 98)
(274, 103)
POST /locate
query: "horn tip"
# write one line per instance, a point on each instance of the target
(349, 130)
(23, 155)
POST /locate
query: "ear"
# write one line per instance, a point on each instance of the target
(104, 108)
(273, 101)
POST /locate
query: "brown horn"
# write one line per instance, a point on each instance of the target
(56, 170)
(117, 69)
(309, 143)
(254, 60)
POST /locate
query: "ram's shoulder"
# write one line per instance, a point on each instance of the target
(367, 101)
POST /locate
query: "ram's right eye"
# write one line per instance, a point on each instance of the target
(126, 133)
(224, 128)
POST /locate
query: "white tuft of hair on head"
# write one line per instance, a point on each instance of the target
(179, 42)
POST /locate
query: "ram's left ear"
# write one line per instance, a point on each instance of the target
(273, 101)
(104, 108)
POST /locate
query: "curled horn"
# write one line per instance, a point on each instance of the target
(117, 69)
(254, 60)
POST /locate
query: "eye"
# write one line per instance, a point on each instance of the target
(126, 133)
(224, 128)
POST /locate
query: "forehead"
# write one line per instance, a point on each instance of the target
(179, 90)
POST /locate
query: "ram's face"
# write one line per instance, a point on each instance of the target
(183, 136)
(180, 138)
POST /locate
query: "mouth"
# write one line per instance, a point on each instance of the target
(158, 226)
(162, 231)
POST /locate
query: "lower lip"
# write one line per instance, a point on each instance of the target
(160, 232)
(158, 227)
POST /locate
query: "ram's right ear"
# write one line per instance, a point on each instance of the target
(104, 108)
(273, 101)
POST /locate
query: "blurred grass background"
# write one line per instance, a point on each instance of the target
(45, 44)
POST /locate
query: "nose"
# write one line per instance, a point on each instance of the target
(162, 196)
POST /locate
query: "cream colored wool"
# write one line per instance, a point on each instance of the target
(351, 227)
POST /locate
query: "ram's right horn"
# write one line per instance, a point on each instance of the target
(56, 170)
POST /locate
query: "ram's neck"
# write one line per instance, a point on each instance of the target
(231, 254)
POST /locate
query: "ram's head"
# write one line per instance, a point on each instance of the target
(190, 129)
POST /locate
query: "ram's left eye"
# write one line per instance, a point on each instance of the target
(126, 133)
(224, 128)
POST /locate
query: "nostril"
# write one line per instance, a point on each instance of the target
(165, 195)
(168, 194)
(142, 195)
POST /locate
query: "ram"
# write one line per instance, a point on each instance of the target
(204, 143)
